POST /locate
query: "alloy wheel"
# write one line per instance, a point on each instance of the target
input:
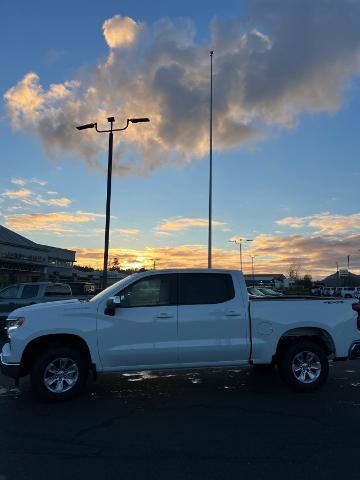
(306, 367)
(61, 375)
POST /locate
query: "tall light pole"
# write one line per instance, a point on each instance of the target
(252, 267)
(111, 120)
(210, 165)
(239, 242)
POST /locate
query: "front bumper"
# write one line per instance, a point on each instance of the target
(8, 368)
(354, 350)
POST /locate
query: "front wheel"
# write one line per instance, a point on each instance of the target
(304, 366)
(59, 374)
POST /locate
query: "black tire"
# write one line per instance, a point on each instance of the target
(37, 373)
(293, 353)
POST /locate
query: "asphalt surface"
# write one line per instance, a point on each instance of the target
(233, 424)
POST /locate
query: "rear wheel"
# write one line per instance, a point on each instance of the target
(59, 374)
(304, 366)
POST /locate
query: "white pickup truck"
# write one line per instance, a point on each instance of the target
(177, 319)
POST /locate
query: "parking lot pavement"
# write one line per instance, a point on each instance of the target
(191, 425)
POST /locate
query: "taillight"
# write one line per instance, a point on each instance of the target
(356, 308)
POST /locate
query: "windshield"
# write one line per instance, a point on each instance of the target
(10, 292)
(105, 292)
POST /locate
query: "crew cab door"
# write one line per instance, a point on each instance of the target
(143, 329)
(213, 324)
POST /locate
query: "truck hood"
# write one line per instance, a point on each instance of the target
(58, 305)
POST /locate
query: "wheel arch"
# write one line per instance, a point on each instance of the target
(40, 344)
(316, 334)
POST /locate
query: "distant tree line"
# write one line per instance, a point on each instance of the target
(114, 266)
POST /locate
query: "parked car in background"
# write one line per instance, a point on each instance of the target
(315, 290)
(82, 288)
(349, 292)
(255, 292)
(269, 292)
(23, 294)
(328, 291)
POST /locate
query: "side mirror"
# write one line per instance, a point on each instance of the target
(111, 304)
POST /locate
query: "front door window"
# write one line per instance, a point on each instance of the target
(153, 291)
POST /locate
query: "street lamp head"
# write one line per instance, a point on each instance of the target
(84, 127)
(111, 119)
(139, 120)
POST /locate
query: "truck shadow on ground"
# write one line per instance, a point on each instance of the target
(141, 385)
(185, 382)
(157, 386)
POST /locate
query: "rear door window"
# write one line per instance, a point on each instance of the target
(57, 290)
(30, 291)
(205, 288)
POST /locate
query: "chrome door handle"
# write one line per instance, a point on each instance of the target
(232, 313)
(164, 315)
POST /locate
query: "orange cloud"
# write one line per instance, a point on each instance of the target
(56, 222)
(166, 257)
(128, 231)
(23, 181)
(50, 202)
(326, 223)
(120, 31)
(27, 99)
(316, 255)
(181, 223)
(22, 193)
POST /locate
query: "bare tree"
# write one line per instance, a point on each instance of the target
(294, 271)
(115, 264)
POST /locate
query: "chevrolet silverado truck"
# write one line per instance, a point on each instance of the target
(177, 319)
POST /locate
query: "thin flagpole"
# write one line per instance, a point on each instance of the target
(210, 166)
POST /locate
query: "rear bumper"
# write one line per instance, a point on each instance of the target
(354, 351)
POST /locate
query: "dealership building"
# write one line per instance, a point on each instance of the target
(22, 260)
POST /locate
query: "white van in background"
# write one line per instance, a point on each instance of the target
(328, 291)
(349, 292)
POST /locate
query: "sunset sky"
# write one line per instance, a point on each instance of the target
(286, 130)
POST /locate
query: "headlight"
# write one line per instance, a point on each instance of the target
(14, 323)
